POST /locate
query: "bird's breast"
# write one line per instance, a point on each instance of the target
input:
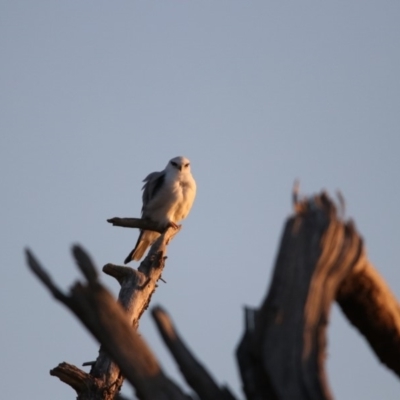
(184, 196)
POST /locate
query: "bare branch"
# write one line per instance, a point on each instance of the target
(72, 376)
(369, 304)
(43, 276)
(195, 374)
(108, 322)
(110, 325)
(137, 287)
(85, 263)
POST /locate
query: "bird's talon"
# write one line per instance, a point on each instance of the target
(173, 225)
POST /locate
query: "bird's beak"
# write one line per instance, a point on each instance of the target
(180, 168)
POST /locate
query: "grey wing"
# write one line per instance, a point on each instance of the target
(153, 184)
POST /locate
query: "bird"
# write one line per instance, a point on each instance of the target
(168, 196)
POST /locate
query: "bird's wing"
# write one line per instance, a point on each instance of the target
(152, 186)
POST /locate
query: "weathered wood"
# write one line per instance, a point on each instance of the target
(72, 376)
(110, 325)
(281, 355)
(369, 304)
(195, 374)
(137, 287)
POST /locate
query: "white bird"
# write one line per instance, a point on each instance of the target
(168, 196)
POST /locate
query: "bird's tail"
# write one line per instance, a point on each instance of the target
(145, 239)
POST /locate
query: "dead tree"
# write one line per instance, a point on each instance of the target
(111, 326)
(137, 286)
(281, 355)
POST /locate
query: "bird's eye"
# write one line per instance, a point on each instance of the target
(174, 163)
(186, 165)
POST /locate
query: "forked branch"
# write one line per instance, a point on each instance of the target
(137, 286)
(109, 324)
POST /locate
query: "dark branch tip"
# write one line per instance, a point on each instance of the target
(164, 322)
(85, 263)
(42, 274)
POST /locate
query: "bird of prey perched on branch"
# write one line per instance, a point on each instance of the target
(168, 196)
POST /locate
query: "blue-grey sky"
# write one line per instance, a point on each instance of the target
(97, 94)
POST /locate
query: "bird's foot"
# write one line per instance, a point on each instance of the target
(173, 225)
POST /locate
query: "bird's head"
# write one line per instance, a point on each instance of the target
(179, 164)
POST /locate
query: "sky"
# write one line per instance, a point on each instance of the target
(97, 94)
